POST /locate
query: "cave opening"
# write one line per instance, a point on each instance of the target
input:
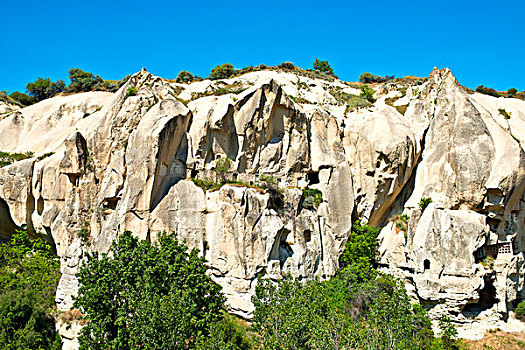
(487, 299)
(426, 265)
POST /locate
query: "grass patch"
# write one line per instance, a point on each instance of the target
(300, 100)
(351, 101)
(45, 155)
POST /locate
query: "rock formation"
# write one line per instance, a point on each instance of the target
(105, 163)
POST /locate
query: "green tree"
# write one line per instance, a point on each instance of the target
(146, 296)
(44, 88)
(23, 99)
(185, 77)
(359, 257)
(323, 67)
(367, 93)
(29, 274)
(222, 167)
(512, 92)
(223, 71)
(83, 81)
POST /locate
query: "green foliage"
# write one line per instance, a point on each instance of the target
(487, 91)
(29, 274)
(512, 92)
(359, 257)
(401, 222)
(367, 93)
(7, 158)
(520, 311)
(488, 261)
(227, 334)
(424, 202)
(339, 314)
(44, 88)
(323, 67)
(23, 99)
(311, 198)
(206, 184)
(83, 81)
(223, 90)
(44, 156)
(84, 232)
(300, 100)
(448, 333)
(287, 65)
(223, 71)
(352, 101)
(369, 78)
(222, 167)
(146, 296)
(123, 81)
(185, 77)
(504, 113)
(131, 91)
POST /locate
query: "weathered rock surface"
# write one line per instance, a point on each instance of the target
(123, 163)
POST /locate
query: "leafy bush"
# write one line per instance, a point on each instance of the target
(23, 99)
(206, 184)
(323, 67)
(520, 310)
(367, 93)
(123, 81)
(131, 91)
(146, 296)
(29, 274)
(287, 65)
(504, 113)
(424, 202)
(512, 92)
(352, 101)
(401, 222)
(83, 81)
(339, 314)
(222, 167)
(7, 158)
(359, 256)
(369, 78)
(487, 91)
(227, 334)
(185, 77)
(311, 198)
(44, 88)
(224, 71)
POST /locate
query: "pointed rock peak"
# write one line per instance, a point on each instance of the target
(443, 75)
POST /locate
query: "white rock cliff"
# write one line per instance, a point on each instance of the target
(123, 162)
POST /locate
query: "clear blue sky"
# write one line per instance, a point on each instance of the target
(483, 42)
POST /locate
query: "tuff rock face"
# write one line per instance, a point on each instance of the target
(123, 163)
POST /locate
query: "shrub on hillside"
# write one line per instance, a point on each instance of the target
(369, 78)
(23, 99)
(44, 88)
(367, 93)
(487, 91)
(287, 65)
(223, 71)
(520, 311)
(185, 77)
(29, 274)
(145, 295)
(83, 81)
(323, 67)
(512, 92)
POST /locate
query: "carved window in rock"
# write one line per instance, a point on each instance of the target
(504, 248)
(312, 178)
(426, 265)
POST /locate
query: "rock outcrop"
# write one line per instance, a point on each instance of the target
(111, 162)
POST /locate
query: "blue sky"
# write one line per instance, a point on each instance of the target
(483, 42)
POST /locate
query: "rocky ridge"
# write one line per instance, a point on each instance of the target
(108, 162)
